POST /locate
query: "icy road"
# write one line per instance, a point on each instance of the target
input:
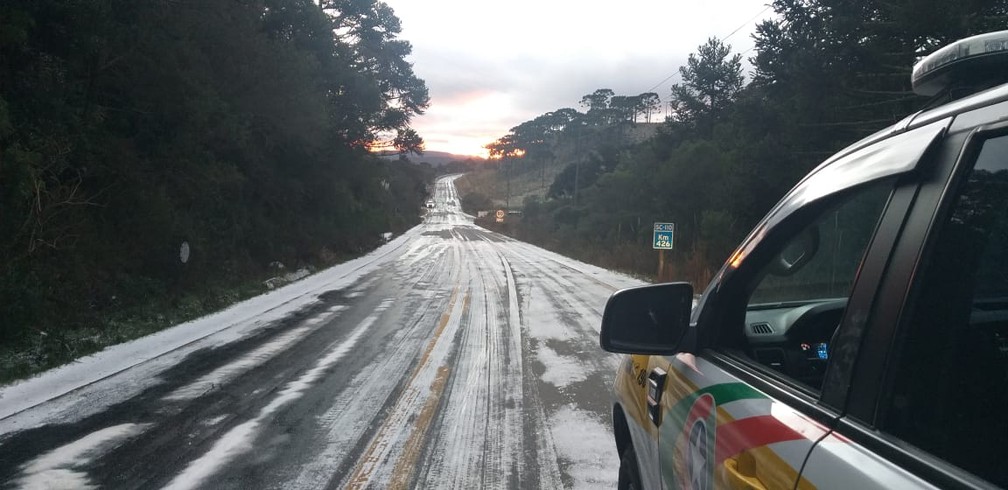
(451, 357)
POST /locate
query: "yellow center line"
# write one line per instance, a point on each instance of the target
(406, 465)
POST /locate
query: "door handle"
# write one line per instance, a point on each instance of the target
(741, 473)
(656, 386)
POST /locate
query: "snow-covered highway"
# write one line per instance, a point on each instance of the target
(451, 357)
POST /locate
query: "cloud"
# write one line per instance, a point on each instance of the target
(491, 66)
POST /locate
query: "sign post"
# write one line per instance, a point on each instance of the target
(500, 215)
(662, 241)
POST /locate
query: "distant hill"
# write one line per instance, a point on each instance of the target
(435, 158)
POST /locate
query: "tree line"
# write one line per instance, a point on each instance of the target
(240, 129)
(825, 74)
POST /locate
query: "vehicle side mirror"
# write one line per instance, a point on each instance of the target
(797, 253)
(647, 320)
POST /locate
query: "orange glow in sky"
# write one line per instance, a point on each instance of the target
(466, 122)
(462, 145)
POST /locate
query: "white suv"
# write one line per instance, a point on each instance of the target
(858, 338)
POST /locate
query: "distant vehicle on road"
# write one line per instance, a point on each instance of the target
(858, 338)
(429, 204)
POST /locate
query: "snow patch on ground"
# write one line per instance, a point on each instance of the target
(561, 370)
(421, 249)
(239, 439)
(585, 444)
(614, 280)
(214, 421)
(319, 319)
(542, 319)
(131, 362)
(59, 468)
(228, 372)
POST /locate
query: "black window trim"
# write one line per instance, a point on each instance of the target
(850, 334)
(830, 406)
(962, 149)
(863, 415)
(898, 293)
(835, 391)
(859, 386)
(791, 392)
(866, 383)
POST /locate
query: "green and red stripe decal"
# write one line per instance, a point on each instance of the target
(733, 437)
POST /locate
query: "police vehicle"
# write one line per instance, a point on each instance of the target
(858, 337)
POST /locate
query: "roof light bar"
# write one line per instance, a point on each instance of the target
(972, 59)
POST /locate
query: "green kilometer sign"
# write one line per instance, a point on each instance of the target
(663, 233)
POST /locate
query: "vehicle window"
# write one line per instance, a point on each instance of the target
(950, 387)
(800, 296)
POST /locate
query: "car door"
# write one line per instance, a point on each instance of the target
(632, 390)
(932, 410)
(748, 408)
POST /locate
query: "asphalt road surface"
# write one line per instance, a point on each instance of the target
(451, 357)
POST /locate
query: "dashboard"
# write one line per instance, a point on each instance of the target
(793, 338)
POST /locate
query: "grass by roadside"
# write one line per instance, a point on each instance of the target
(46, 349)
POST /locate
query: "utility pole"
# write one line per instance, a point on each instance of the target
(542, 179)
(507, 171)
(661, 266)
(577, 173)
(577, 162)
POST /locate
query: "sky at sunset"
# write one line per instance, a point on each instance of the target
(490, 66)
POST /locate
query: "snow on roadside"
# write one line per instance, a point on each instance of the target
(585, 445)
(59, 468)
(613, 279)
(561, 371)
(226, 373)
(563, 306)
(245, 363)
(169, 346)
(239, 439)
(541, 317)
